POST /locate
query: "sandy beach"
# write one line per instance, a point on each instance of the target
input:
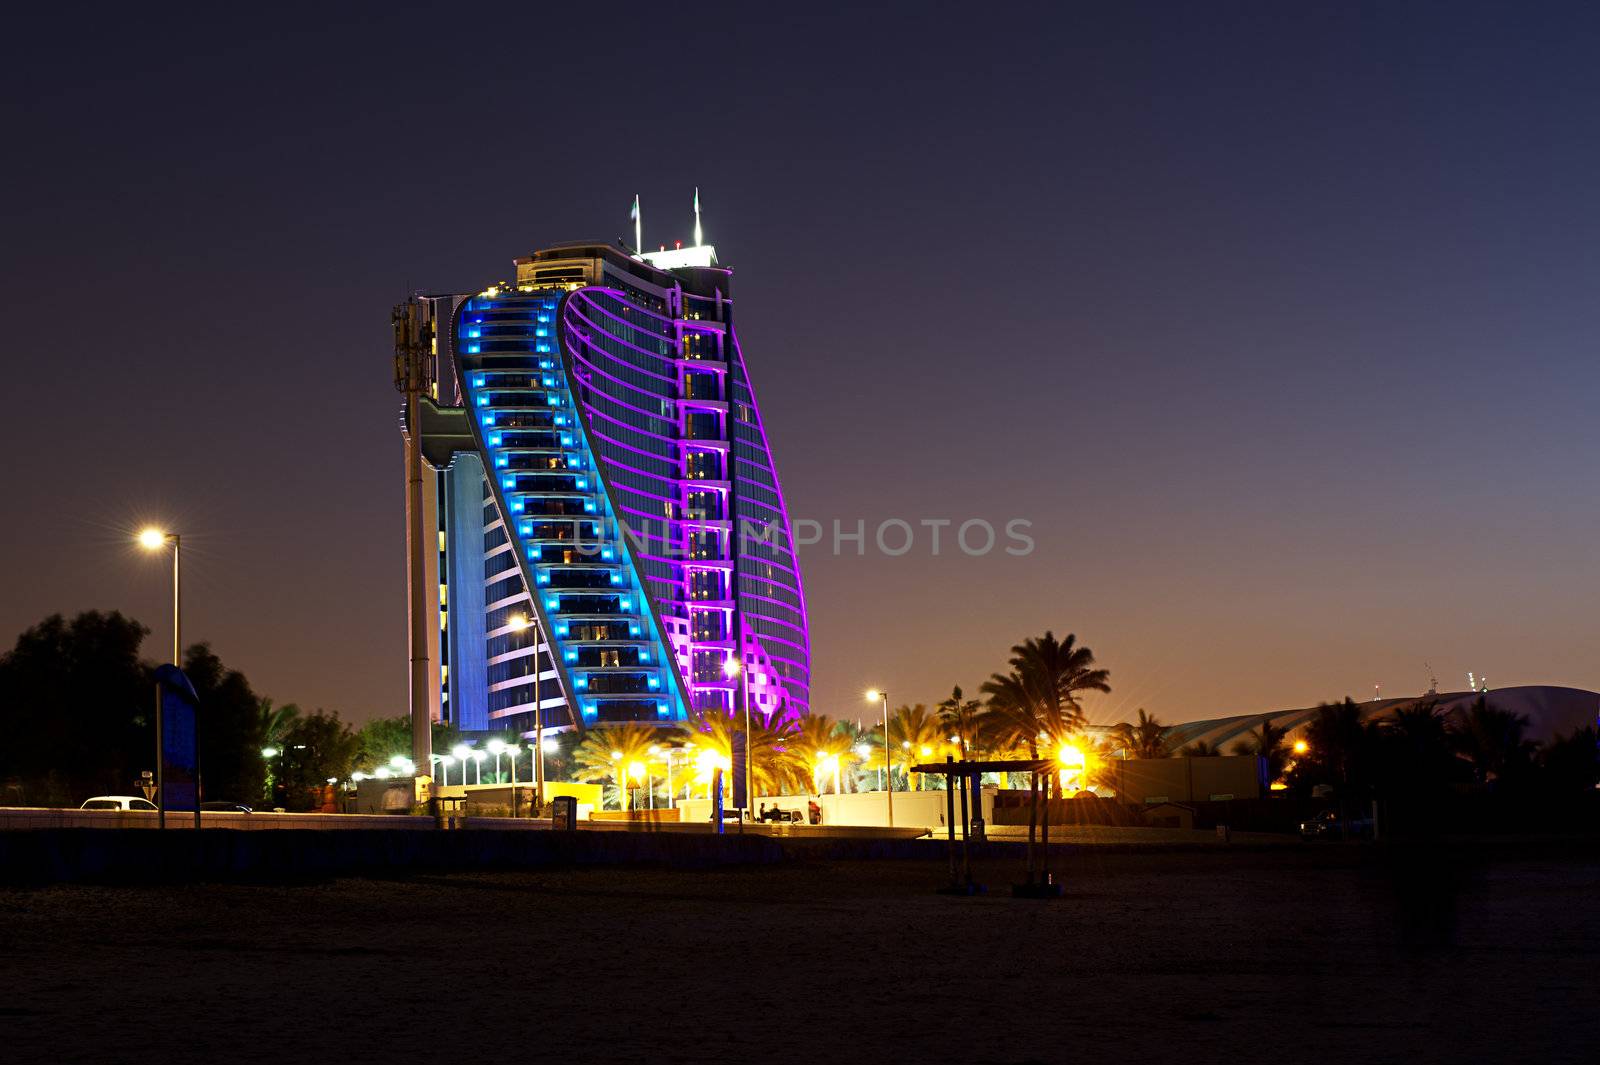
(1286, 955)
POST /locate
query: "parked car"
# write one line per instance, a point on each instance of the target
(1327, 825)
(223, 806)
(117, 802)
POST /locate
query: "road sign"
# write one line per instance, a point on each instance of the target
(180, 742)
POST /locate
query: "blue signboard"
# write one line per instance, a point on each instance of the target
(180, 743)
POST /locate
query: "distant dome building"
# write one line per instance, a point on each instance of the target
(1549, 710)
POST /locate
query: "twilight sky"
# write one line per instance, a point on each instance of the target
(1277, 321)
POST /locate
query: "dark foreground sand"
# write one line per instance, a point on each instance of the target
(1314, 954)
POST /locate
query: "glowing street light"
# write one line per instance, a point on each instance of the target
(1301, 746)
(882, 698)
(153, 539)
(496, 747)
(1072, 760)
(477, 767)
(462, 754)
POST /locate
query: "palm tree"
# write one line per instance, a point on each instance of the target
(962, 717)
(1419, 753)
(1571, 764)
(1200, 749)
(276, 721)
(612, 754)
(1042, 688)
(1493, 740)
(775, 767)
(914, 736)
(1266, 742)
(1013, 717)
(1146, 738)
(823, 744)
(1341, 750)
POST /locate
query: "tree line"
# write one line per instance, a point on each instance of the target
(77, 702)
(77, 717)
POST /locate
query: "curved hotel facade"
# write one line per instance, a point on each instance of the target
(612, 540)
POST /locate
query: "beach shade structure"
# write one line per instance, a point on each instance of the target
(961, 779)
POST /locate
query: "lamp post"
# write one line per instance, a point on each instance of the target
(622, 785)
(636, 771)
(153, 539)
(477, 767)
(463, 754)
(733, 670)
(874, 695)
(515, 751)
(518, 623)
(267, 755)
(864, 753)
(657, 751)
(497, 747)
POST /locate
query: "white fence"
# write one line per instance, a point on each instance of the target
(912, 809)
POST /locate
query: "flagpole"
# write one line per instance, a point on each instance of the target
(638, 226)
(698, 239)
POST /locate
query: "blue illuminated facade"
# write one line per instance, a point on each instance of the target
(564, 539)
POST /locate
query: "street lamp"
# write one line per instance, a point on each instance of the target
(153, 539)
(448, 760)
(521, 623)
(622, 785)
(477, 768)
(656, 750)
(669, 755)
(731, 669)
(282, 755)
(514, 750)
(462, 753)
(882, 698)
(864, 753)
(636, 772)
(497, 748)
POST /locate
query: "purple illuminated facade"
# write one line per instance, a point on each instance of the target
(599, 436)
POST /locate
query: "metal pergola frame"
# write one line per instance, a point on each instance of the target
(963, 776)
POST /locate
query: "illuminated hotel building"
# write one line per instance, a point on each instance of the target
(611, 530)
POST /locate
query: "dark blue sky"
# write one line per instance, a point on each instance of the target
(1277, 321)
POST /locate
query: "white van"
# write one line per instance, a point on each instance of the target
(117, 802)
